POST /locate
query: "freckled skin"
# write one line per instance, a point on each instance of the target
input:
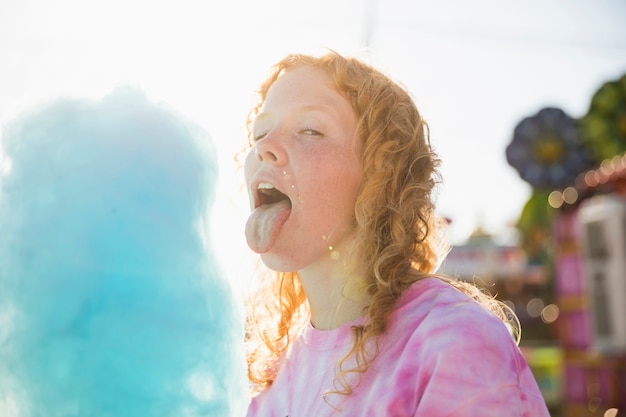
(306, 147)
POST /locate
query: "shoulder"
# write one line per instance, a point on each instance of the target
(454, 348)
(433, 302)
(448, 331)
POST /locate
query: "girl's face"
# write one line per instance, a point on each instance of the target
(303, 172)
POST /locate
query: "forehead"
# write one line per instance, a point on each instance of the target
(305, 88)
(305, 74)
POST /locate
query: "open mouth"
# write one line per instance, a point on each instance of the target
(271, 210)
(267, 194)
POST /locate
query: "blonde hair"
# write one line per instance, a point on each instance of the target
(396, 240)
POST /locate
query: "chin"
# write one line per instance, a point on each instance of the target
(280, 263)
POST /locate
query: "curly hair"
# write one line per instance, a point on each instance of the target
(396, 237)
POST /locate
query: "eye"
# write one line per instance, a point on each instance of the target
(311, 132)
(257, 137)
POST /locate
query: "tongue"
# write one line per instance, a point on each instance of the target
(264, 224)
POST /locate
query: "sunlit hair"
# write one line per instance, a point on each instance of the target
(396, 240)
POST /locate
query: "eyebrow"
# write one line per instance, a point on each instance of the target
(306, 108)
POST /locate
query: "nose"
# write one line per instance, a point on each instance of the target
(270, 149)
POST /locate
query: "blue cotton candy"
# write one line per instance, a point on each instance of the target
(112, 302)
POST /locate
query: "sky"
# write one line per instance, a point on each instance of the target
(475, 70)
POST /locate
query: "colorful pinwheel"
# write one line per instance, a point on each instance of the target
(547, 150)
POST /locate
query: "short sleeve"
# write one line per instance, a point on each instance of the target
(470, 366)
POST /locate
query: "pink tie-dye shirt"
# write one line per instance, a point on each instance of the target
(442, 355)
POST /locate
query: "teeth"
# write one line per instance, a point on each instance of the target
(267, 194)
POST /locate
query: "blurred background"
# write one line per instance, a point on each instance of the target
(525, 102)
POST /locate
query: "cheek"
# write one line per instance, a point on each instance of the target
(248, 164)
(338, 190)
(248, 169)
(349, 178)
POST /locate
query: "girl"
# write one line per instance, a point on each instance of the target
(340, 176)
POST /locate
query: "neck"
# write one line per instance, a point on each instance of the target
(335, 297)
